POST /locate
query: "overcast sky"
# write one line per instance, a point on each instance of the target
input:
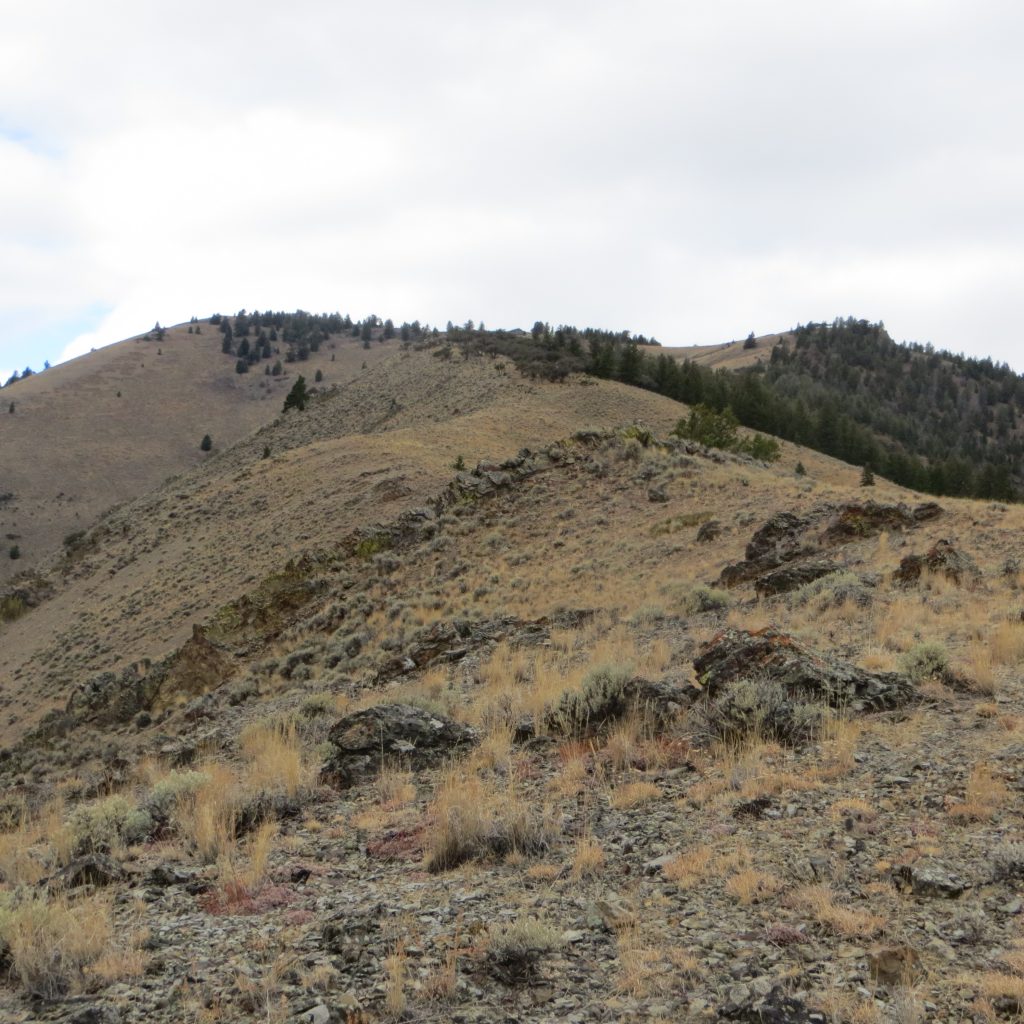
(692, 171)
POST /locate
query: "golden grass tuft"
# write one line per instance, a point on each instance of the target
(634, 794)
(275, 759)
(588, 859)
(54, 941)
(984, 794)
(752, 886)
(690, 867)
(819, 901)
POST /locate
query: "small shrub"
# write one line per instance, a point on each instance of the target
(206, 444)
(11, 608)
(698, 598)
(514, 950)
(927, 660)
(832, 591)
(758, 708)
(167, 793)
(15, 552)
(601, 698)
(103, 826)
(800, 469)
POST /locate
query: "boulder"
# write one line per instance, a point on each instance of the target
(942, 557)
(929, 877)
(792, 577)
(93, 869)
(805, 674)
(709, 531)
(857, 520)
(392, 732)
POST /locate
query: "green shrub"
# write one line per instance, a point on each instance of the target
(11, 608)
(831, 591)
(166, 794)
(759, 708)
(695, 598)
(601, 698)
(115, 821)
(925, 661)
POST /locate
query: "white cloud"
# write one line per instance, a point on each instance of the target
(692, 172)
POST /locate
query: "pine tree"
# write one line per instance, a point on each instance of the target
(206, 444)
(297, 397)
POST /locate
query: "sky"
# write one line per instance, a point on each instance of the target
(689, 171)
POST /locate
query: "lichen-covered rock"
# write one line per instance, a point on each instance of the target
(803, 672)
(929, 877)
(389, 733)
(792, 577)
(942, 557)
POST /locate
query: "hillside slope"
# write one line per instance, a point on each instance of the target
(368, 450)
(401, 777)
(111, 425)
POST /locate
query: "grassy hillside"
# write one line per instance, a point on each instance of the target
(605, 722)
(111, 425)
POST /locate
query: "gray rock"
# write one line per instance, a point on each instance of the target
(929, 877)
(397, 731)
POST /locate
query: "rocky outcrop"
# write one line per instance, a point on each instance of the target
(391, 733)
(449, 641)
(804, 673)
(792, 577)
(943, 557)
(787, 537)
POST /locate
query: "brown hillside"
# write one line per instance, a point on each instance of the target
(730, 355)
(615, 727)
(111, 425)
(367, 451)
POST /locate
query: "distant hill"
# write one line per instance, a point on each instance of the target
(929, 420)
(106, 427)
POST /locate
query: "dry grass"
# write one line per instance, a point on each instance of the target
(206, 818)
(752, 886)
(819, 901)
(471, 818)
(54, 941)
(395, 968)
(275, 759)
(588, 859)
(634, 794)
(690, 867)
(641, 970)
(984, 794)
(395, 788)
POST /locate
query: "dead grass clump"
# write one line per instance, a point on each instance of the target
(470, 819)
(206, 817)
(984, 794)
(819, 901)
(690, 867)
(1006, 643)
(395, 788)
(588, 860)
(276, 761)
(640, 964)
(53, 941)
(752, 886)
(633, 794)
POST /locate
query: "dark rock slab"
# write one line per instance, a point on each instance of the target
(93, 869)
(942, 557)
(792, 577)
(805, 673)
(931, 878)
(775, 1008)
(392, 732)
